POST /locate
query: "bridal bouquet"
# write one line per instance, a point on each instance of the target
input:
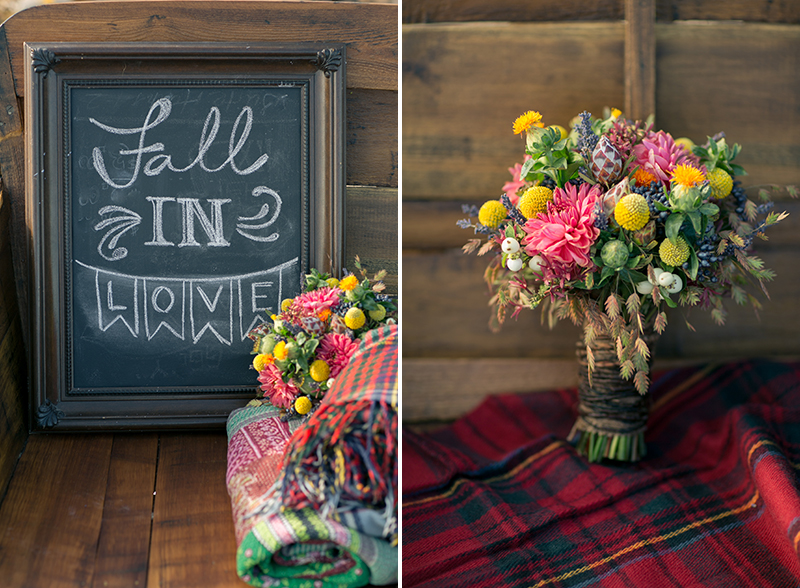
(610, 223)
(308, 343)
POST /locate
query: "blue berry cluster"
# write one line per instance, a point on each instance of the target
(706, 256)
(342, 308)
(653, 193)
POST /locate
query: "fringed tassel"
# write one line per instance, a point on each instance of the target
(346, 453)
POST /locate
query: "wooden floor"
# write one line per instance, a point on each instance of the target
(107, 510)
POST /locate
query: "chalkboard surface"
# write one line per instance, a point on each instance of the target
(176, 194)
(186, 224)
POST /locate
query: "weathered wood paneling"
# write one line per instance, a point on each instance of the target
(372, 231)
(775, 11)
(422, 11)
(371, 141)
(445, 315)
(13, 430)
(369, 29)
(464, 85)
(738, 78)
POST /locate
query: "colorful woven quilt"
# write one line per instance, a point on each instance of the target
(498, 499)
(339, 539)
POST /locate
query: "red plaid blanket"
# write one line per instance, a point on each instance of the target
(498, 499)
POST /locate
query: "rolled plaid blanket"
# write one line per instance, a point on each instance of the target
(339, 537)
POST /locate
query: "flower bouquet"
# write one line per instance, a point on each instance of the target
(304, 347)
(608, 225)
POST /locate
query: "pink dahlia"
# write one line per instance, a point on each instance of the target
(564, 234)
(315, 301)
(336, 349)
(278, 392)
(511, 188)
(658, 154)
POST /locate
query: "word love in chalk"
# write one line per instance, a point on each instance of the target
(161, 110)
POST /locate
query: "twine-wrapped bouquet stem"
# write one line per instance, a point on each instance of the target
(612, 415)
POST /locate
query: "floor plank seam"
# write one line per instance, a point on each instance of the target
(14, 470)
(152, 514)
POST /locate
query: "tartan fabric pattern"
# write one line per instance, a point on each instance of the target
(346, 454)
(499, 500)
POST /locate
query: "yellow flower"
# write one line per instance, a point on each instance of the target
(280, 350)
(615, 113)
(349, 283)
(492, 213)
(674, 253)
(261, 360)
(319, 370)
(687, 176)
(721, 183)
(355, 318)
(632, 212)
(526, 121)
(302, 405)
(378, 314)
(332, 282)
(287, 302)
(534, 201)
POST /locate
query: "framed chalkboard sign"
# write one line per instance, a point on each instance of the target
(175, 195)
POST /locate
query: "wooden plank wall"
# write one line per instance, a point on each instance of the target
(370, 31)
(465, 82)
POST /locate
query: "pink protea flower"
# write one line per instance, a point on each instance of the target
(278, 392)
(336, 349)
(564, 234)
(658, 154)
(511, 188)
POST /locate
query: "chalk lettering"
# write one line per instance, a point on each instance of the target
(158, 113)
(213, 227)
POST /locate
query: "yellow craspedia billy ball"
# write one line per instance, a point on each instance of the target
(674, 253)
(534, 201)
(721, 183)
(332, 282)
(378, 314)
(286, 303)
(319, 370)
(685, 142)
(632, 212)
(355, 318)
(261, 360)
(302, 405)
(492, 213)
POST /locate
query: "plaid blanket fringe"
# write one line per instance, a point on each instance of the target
(345, 456)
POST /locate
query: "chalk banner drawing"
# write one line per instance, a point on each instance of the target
(187, 222)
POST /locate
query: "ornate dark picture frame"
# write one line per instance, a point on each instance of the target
(154, 246)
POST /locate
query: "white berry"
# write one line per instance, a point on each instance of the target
(675, 286)
(644, 287)
(665, 279)
(536, 263)
(514, 264)
(657, 271)
(510, 245)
